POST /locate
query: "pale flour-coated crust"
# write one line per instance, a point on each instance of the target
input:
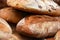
(36, 6)
(38, 26)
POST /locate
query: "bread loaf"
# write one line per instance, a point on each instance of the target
(38, 26)
(36, 6)
(10, 15)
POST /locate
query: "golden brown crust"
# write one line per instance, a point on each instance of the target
(10, 15)
(36, 6)
(38, 26)
(4, 26)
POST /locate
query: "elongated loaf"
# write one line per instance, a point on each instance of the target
(38, 26)
(36, 6)
(10, 15)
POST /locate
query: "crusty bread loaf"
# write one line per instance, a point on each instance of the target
(10, 15)
(38, 26)
(4, 26)
(36, 6)
(57, 36)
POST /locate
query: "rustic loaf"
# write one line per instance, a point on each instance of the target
(10, 15)
(36, 6)
(38, 26)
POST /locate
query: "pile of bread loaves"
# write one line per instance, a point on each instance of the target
(29, 19)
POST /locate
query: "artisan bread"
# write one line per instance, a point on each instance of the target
(38, 26)
(10, 15)
(36, 6)
(4, 26)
